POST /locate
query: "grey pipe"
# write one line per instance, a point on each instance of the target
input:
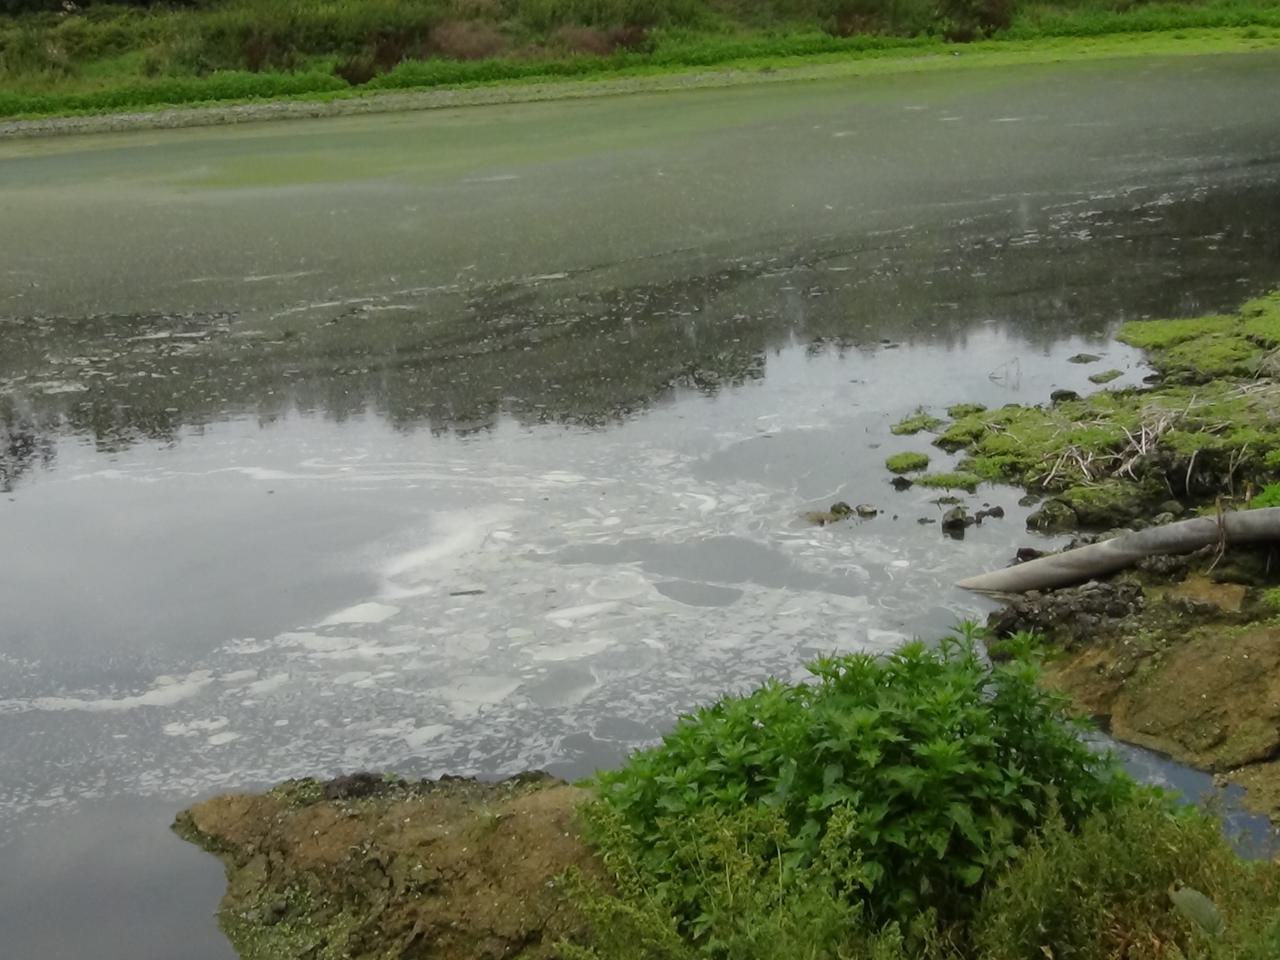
(1098, 559)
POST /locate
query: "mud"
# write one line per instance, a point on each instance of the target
(367, 867)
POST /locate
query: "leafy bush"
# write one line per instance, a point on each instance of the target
(912, 779)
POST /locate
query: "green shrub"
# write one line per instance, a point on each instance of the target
(896, 784)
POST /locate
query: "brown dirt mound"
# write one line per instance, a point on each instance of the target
(364, 867)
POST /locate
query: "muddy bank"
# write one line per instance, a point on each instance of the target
(1182, 661)
(369, 866)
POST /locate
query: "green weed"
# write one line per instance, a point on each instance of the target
(914, 777)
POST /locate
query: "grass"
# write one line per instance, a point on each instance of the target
(110, 58)
(926, 805)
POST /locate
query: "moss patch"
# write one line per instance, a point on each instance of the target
(1106, 376)
(958, 410)
(1212, 429)
(917, 422)
(1240, 345)
(907, 462)
(951, 481)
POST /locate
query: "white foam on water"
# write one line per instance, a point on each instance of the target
(165, 692)
(371, 612)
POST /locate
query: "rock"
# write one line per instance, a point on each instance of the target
(1054, 516)
(1069, 616)
(355, 786)
(902, 483)
(840, 509)
(1173, 507)
(1226, 597)
(925, 520)
(1084, 358)
(956, 519)
(1029, 500)
(1106, 376)
(1062, 396)
(1028, 553)
(866, 511)
(1160, 519)
(995, 513)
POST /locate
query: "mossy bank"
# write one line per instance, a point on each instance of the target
(1181, 655)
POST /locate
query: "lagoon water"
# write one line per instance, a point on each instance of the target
(472, 441)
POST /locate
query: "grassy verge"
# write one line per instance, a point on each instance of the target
(110, 58)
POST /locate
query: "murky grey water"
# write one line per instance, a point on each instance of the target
(510, 478)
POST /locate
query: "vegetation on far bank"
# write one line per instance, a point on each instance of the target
(117, 55)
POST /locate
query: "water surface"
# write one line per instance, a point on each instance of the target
(475, 441)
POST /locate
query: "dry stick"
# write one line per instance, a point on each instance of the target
(1098, 559)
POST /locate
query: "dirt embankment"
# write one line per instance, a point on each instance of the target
(367, 867)
(1177, 657)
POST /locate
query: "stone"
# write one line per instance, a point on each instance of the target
(1062, 396)
(1084, 358)
(866, 511)
(1054, 516)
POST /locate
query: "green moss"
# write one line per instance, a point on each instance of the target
(918, 421)
(951, 481)
(1271, 598)
(1113, 503)
(1106, 376)
(958, 410)
(907, 462)
(1207, 347)
(1157, 335)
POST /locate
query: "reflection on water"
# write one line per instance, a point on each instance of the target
(594, 348)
